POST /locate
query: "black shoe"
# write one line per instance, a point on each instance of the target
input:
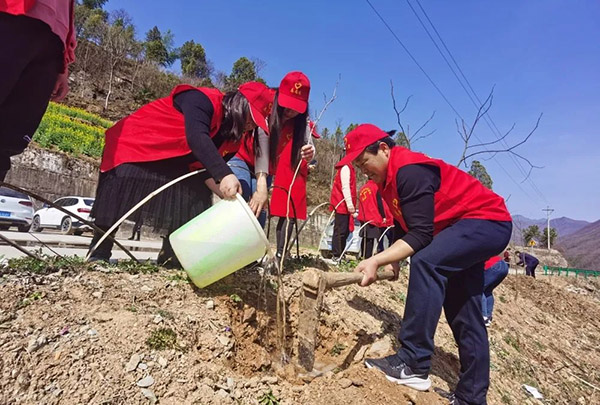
(397, 371)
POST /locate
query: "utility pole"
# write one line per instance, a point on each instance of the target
(548, 212)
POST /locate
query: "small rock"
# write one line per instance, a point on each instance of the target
(103, 317)
(345, 382)
(222, 394)
(360, 355)
(411, 396)
(357, 382)
(224, 340)
(162, 361)
(97, 294)
(157, 319)
(92, 332)
(210, 304)
(145, 382)
(380, 348)
(230, 383)
(145, 288)
(133, 363)
(142, 366)
(249, 315)
(269, 379)
(150, 395)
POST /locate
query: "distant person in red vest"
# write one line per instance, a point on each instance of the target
(496, 270)
(449, 225)
(279, 198)
(37, 45)
(342, 201)
(529, 261)
(191, 128)
(371, 210)
(507, 256)
(261, 153)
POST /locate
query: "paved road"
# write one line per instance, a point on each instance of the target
(71, 245)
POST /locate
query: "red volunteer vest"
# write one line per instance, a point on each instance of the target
(283, 178)
(16, 7)
(246, 150)
(157, 131)
(460, 195)
(337, 195)
(367, 205)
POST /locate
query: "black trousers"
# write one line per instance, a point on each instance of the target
(448, 274)
(341, 231)
(280, 233)
(31, 57)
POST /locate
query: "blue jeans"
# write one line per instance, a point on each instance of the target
(491, 278)
(248, 181)
(448, 274)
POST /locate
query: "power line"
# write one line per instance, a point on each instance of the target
(440, 91)
(487, 118)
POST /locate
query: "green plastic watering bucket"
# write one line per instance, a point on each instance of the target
(221, 240)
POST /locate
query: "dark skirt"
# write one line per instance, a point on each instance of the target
(124, 186)
(370, 231)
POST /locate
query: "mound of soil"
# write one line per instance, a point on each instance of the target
(106, 337)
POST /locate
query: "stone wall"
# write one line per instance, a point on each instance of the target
(53, 174)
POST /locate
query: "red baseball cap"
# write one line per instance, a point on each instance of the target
(260, 98)
(293, 92)
(358, 139)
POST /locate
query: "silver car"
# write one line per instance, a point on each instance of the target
(352, 242)
(16, 209)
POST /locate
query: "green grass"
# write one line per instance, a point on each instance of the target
(337, 349)
(268, 399)
(161, 339)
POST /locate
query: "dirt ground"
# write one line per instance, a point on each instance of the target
(95, 335)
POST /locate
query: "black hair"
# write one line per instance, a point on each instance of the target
(275, 124)
(235, 113)
(374, 147)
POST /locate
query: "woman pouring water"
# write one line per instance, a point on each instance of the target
(191, 128)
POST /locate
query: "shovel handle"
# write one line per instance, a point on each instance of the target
(341, 279)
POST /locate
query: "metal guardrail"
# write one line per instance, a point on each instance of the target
(550, 271)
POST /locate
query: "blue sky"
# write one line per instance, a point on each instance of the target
(543, 56)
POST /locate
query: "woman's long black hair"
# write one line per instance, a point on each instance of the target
(275, 125)
(235, 113)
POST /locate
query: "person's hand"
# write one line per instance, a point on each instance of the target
(352, 210)
(259, 201)
(355, 214)
(230, 186)
(61, 87)
(369, 269)
(307, 152)
(395, 267)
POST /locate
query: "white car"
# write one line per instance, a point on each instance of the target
(16, 209)
(49, 217)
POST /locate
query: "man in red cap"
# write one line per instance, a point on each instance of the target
(449, 224)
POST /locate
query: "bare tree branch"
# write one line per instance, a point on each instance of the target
(327, 103)
(423, 126)
(410, 139)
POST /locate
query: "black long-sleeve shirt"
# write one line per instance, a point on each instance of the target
(416, 185)
(197, 111)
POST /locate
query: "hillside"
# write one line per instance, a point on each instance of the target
(582, 248)
(564, 226)
(128, 335)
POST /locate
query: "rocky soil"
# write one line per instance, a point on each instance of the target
(95, 335)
